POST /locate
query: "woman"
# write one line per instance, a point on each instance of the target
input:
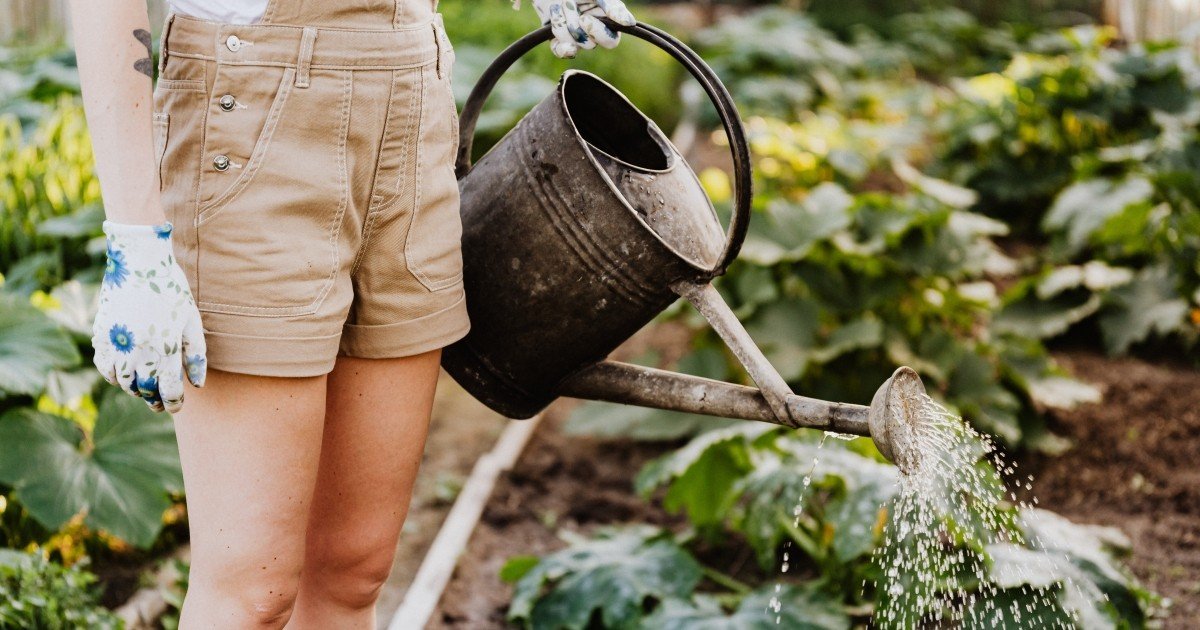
(283, 229)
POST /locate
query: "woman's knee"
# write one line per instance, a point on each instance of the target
(251, 593)
(350, 574)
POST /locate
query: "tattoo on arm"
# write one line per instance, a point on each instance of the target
(144, 65)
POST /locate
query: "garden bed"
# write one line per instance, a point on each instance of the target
(1133, 467)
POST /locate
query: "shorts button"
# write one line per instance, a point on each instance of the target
(233, 43)
(227, 102)
(221, 162)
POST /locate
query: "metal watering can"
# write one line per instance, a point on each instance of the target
(580, 226)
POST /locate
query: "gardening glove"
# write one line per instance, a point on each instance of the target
(576, 23)
(147, 332)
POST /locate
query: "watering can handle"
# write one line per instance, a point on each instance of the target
(736, 233)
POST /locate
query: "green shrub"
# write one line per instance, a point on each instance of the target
(49, 200)
(38, 593)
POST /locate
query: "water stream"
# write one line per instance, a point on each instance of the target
(952, 512)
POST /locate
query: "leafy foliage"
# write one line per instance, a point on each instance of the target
(49, 200)
(612, 576)
(802, 607)
(119, 473)
(824, 505)
(32, 345)
(38, 593)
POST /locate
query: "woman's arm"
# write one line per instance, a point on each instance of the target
(112, 44)
(147, 332)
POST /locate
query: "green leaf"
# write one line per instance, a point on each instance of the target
(786, 331)
(1084, 207)
(121, 481)
(1149, 305)
(31, 345)
(612, 576)
(846, 487)
(701, 475)
(84, 221)
(76, 307)
(787, 231)
(64, 387)
(516, 567)
(801, 607)
(1045, 318)
(1072, 566)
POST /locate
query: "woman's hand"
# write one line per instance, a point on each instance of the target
(576, 24)
(147, 332)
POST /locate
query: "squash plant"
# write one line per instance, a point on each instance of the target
(833, 501)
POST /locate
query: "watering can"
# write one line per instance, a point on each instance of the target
(580, 226)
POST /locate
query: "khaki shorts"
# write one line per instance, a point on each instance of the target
(309, 175)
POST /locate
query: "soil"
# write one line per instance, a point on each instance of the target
(1136, 466)
(1133, 467)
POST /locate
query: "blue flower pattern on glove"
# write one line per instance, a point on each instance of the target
(195, 367)
(121, 338)
(115, 270)
(148, 389)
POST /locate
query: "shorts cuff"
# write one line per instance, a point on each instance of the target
(272, 356)
(414, 336)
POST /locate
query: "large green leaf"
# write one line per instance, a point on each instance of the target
(1097, 588)
(612, 576)
(701, 475)
(1084, 207)
(120, 478)
(795, 607)
(787, 231)
(843, 488)
(73, 306)
(1039, 318)
(1149, 305)
(31, 345)
(787, 333)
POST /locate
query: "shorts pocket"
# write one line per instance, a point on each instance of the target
(161, 127)
(433, 248)
(267, 236)
(244, 108)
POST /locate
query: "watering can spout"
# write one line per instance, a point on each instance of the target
(891, 421)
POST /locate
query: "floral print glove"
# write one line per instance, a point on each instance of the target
(147, 331)
(576, 24)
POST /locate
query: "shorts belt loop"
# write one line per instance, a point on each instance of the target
(162, 42)
(304, 62)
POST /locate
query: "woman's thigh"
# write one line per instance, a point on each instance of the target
(249, 446)
(377, 416)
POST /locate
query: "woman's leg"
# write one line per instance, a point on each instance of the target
(375, 425)
(249, 446)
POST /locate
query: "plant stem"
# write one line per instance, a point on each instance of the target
(729, 582)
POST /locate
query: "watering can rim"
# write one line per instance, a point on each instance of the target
(674, 161)
(696, 67)
(673, 155)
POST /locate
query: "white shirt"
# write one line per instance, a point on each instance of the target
(227, 11)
